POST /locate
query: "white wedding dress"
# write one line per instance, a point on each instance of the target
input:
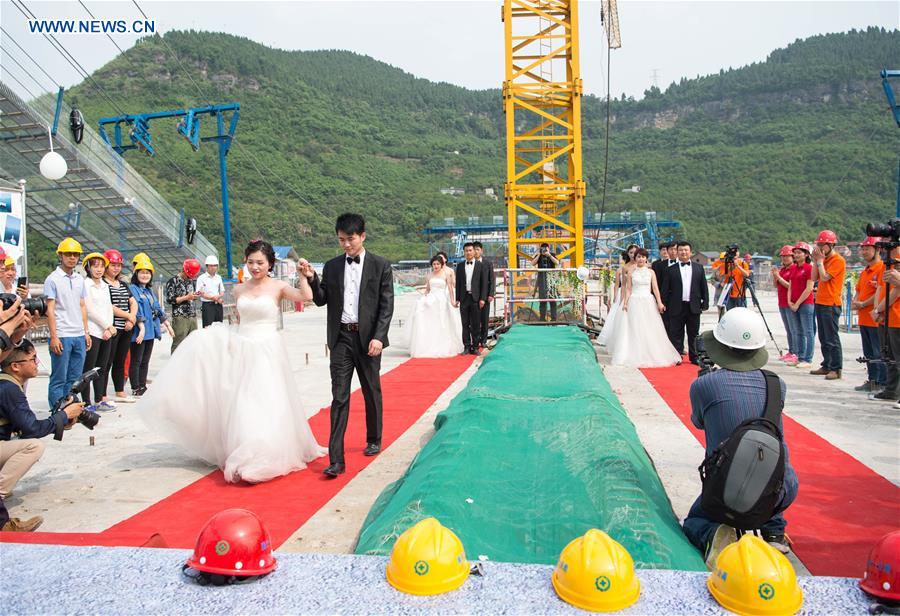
(228, 396)
(435, 327)
(639, 338)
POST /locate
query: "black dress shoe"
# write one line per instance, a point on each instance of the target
(372, 449)
(335, 469)
(696, 362)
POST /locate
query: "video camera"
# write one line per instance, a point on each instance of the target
(29, 304)
(890, 234)
(87, 418)
(731, 253)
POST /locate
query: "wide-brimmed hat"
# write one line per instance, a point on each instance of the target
(739, 360)
(738, 342)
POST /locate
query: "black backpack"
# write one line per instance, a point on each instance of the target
(743, 477)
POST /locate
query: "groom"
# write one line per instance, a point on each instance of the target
(684, 292)
(358, 288)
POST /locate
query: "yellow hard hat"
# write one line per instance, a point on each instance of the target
(8, 261)
(69, 245)
(138, 257)
(754, 579)
(142, 263)
(94, 255)
(596, 573)
(428, 559)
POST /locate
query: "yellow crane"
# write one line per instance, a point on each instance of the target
(544, 189)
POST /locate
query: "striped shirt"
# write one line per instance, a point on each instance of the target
(119, 295)
(723, 399)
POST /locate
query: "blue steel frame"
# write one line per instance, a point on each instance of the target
(895, 109)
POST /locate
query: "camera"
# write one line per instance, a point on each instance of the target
(30, 304)
(731, 252)
(706, 364)
(87, 418)
(890, 229)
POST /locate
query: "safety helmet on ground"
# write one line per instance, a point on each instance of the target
(754, 579)
(803, 246)
(114, 256)
(143, 264)
(596, 573)
(69, 245)
(826, 237)
(427, 559)
(869, 241)
(94, 255)
(191, 268)
(741, 328)
(233, 542)
(138, 257)
(882, 576)
(786, 251)
(212, 260)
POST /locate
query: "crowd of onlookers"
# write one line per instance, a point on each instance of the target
(96, 322)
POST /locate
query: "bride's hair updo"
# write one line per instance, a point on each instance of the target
(264, 247)
(437, 258)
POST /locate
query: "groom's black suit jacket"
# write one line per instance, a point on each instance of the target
(376, 297)
(481, 286)
(670, 289)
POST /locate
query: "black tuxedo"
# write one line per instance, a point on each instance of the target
(349, 343)
(491, 292)
(469, 311)
(660, 267)
(684, 317)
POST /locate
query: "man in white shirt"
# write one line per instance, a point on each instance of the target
(212, 293)
(684, 292)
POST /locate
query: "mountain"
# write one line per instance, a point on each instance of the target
(762, 155)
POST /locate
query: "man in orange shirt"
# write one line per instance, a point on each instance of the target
(892, 386)
(735, 275)
(868, 281)
(829, 269)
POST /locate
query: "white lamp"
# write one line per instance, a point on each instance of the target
(53, 166)
(583, 273)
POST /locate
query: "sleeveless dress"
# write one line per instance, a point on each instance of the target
(639, 338)
(228, 396)
(612, 317)
(435, 326)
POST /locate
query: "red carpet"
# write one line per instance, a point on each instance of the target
(843, 507)
(288, 502)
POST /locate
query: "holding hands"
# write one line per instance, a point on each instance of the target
(306, 269)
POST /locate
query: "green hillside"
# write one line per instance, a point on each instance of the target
(761, 155)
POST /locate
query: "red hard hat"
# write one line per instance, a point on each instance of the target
(233, 542)
(2, 254)
(114, 256)
(191, 268)
(786, 251)
(827, 237)
(870, 241)
(803, 246)
(882, 576)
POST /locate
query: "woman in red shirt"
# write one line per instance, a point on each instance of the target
(801, 302)
(782, 279)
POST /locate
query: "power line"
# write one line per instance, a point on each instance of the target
(7, 35)
(107, 34)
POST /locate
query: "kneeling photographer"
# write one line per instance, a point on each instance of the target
(17, 455)
(747, 477)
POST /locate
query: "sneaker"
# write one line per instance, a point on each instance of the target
(897, 404)
(779, 542)
(803, 365)
(868, 386)
(105, 407)
(883, 396)
(820, 371)
(784, 356)
(125, 399)
(722, 538)
(833, 375)
(16, 525)
(108, 403)
(137, 393)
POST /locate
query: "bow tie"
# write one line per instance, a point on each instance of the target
(353, 259)
(685, 264)
(470, 262)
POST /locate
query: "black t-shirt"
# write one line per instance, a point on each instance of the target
(545, 262)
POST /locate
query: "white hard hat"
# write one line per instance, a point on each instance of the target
(212, 260)
(741, 328)
(583, 273)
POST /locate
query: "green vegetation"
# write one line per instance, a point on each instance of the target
(762, 155)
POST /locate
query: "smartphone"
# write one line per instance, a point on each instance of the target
(23, 281)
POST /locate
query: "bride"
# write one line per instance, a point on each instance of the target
(619, 282)
(435, 327)
(639, 338)
(228, 396)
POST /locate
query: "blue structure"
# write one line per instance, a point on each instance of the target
(139, 134)
(895, 109)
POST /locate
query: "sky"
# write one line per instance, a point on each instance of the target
(457, 42)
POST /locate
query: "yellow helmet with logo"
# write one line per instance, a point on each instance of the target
(428, 559)
(142, 263)
(596, 573)
(754, 579)
(69, 245)
(138, 257)
(94, 255)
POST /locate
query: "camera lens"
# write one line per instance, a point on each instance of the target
(89, 419)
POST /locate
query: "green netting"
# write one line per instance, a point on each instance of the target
(533, 453)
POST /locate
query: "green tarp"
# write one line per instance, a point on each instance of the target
(533, 453)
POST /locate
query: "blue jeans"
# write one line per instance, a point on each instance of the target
(66, 367)
(789, 330)
(699, 529)
(871, 344)
(827, 318)
(803, 328)
(734, 302)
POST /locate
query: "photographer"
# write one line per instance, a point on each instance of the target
(732, 269)
(16, 417)
(180, 295)
(891, 391)
(721, 400)
(545, 260)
